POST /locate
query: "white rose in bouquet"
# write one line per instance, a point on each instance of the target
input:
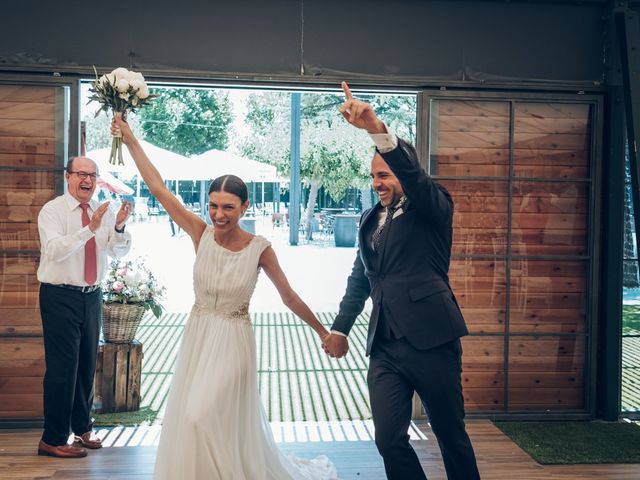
(137, 84)
(122, 85)
(121, 72)
(136, 76)
(120, 91)
(143, 92)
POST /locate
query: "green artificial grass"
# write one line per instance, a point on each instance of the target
(631, 319)
(144, 416)
(555, 443)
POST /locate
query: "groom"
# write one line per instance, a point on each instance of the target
(416, 324)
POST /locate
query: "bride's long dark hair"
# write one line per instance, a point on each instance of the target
(230, 184)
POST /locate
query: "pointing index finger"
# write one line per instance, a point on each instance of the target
(347, 91)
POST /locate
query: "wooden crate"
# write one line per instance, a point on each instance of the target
(118, 377)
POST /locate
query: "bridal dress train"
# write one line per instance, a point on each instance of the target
(215, 426)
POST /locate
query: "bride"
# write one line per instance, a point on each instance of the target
(215, 426)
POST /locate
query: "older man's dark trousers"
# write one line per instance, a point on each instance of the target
(396, 370)
(71, 330)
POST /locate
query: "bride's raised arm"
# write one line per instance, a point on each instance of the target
(188, 221)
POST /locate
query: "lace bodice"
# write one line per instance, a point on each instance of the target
(224, 280)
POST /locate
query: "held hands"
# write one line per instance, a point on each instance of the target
(335, 345)
(360, 114)
(96, 218)
(123, 214)
(120, 128)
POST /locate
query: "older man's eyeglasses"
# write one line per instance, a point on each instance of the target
(84, 175)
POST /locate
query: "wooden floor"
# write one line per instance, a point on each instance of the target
(131, 456)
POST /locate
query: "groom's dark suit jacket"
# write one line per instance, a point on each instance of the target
(407, 278)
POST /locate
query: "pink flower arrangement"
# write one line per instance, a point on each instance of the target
(133, 283)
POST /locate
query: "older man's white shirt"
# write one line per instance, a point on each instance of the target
(62, 240)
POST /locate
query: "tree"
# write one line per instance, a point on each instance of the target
(398, 112)
(187, 121)
(98, 129)
(268, 117)
(333, 154)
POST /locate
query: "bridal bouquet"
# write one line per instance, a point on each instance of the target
(120, 91)
(131, 282)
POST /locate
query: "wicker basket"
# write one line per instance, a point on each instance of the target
(120, 321)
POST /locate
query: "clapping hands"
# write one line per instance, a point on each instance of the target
(123, 214)
(96, 218)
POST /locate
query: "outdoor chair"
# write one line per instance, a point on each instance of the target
(277, 220)
(327, 224)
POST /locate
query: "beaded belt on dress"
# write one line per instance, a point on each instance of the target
(241, 315)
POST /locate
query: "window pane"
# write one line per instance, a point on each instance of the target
(469, 138)
(551, 140)
(550, 218)
(480, 288)
(548, 296)
(483, 372)
(546, 373)
(480, 216)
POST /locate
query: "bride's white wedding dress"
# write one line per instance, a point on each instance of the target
(215, 426)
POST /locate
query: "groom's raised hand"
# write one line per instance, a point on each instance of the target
(335, 346)
(360, 114)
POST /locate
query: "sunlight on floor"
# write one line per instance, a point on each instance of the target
(283, 432)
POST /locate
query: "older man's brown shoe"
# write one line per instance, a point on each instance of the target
(61, 451)
(88, 440)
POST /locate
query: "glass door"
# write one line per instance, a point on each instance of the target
(37, 135)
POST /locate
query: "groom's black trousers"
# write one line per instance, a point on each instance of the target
(71, 330)
(396, 370)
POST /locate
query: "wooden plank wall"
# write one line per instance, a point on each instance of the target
(520, 264)
(27, 158)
